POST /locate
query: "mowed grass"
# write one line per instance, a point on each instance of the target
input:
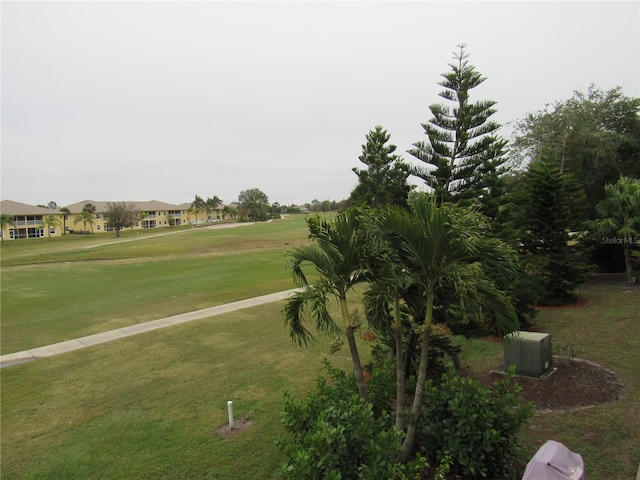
(69, 290)
(148, 407)
(605, 330)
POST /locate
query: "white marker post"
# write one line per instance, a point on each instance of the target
(230, 409)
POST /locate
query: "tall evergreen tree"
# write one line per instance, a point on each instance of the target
(463, 156)
(384, 181)
(546, 208)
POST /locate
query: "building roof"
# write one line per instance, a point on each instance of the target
(16, 208)
(10, 207)
(144, 206)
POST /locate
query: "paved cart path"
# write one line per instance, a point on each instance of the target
(84, 342)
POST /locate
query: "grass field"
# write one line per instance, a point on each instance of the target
(148, 406)
(80, 285)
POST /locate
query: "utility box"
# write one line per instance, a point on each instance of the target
(530, 352)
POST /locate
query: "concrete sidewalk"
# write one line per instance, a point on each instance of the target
(83, 342)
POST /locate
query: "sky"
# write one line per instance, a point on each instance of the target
(142, 100)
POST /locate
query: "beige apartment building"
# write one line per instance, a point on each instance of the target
(29, 221)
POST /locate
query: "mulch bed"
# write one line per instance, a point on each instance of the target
(572, 383)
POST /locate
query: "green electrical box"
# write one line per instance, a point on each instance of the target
(530, 352)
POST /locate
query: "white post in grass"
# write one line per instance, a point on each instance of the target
(230, 409)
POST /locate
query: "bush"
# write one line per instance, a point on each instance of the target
(334, 434)
(475, 425)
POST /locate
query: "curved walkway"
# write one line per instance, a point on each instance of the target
(83, 342)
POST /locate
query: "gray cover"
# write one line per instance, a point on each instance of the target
(554, 461)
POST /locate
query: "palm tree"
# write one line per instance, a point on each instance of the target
(212, 204)
(229, 211)
(444, 250)
(197, 206)
(337, 254)
(5, 220)
(48, 222)
(65, 216)
(383, 302)
(85, 216)
(619, 215)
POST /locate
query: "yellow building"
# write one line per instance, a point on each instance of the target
(34, 222)
(29, 221)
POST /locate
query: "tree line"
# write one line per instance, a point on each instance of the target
(497, 229)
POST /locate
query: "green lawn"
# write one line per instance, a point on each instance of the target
(606, 330)
(148, 406)
(69, 290)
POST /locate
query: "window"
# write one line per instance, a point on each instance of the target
(52, 231)
(98, 227)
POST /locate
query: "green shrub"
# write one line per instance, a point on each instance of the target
(475, 425)
(334, 434)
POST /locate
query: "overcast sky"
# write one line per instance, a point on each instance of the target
(167, 100)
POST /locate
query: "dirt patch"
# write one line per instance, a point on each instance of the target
(573, 383)
(239, 425)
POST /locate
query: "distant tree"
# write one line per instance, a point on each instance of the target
(86, 216)
(384, 181)
(120, 215)
(546, 208)
(212, 204)
(197, 206)
(49, 222)
(65, 216)
(619, 217)
(595, 136)
(254, 204)
(463, 157)
(5, 220)
(89, 207)
(229, 211)
(314, 206)
(292, 209)
(275, 210)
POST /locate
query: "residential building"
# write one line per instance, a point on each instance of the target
(31, 222)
